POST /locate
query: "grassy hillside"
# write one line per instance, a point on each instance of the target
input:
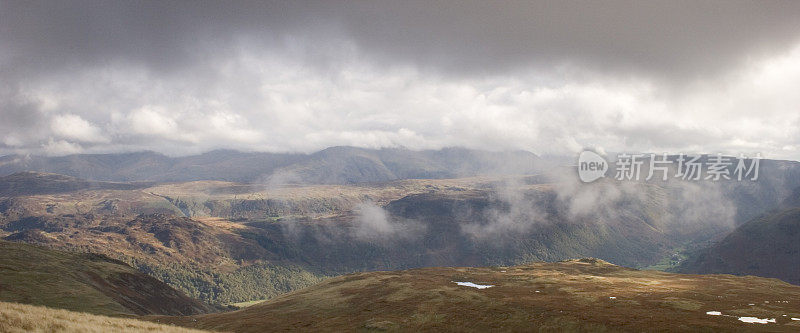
(576, 295)
(20, 318)
(86, 283)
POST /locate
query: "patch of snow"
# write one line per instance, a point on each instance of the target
(714, 313)
(612, 297)
(473, 285)
(751, 304)
(537, 291)
(754, 320)
(793, 318)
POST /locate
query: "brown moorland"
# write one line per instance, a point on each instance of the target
(574, 295)
(16, 317)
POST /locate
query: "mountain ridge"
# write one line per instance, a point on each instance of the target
(334, 165)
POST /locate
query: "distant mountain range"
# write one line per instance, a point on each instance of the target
(336, 165)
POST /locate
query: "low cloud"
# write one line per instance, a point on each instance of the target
(679, 209)
(518, 211)
(374, 224)
(675, 207)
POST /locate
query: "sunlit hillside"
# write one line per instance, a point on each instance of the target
(16, 317)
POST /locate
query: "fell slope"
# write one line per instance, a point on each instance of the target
(575, 295)
(16, 317)
(765, 246)
(85, 282)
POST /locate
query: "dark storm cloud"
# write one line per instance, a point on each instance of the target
(48, 35)
(20, 116)
(479, 37)
(666, 37)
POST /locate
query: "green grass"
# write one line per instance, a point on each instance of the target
(671, 260)
(241, 305)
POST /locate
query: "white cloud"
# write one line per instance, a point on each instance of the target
(151, 120)
(74, 127)
(274, 101)
(61, 147)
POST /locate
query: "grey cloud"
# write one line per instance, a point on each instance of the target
(549, 77)
(22, 119)
(683, 38)
(668, 38)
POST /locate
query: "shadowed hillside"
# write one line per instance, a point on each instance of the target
(85, 282)
(765, 246)
(577, 295)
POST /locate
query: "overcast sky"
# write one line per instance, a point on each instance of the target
(548, 77)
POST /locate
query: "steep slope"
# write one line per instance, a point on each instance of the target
(765, 246)
(85, 282)
(205, 260)
(778, 181)
(576, 295)
(464, 228)
(16, 317)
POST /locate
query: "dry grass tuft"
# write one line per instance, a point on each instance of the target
(16, 317)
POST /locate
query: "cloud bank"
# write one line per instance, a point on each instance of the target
(547, 77)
